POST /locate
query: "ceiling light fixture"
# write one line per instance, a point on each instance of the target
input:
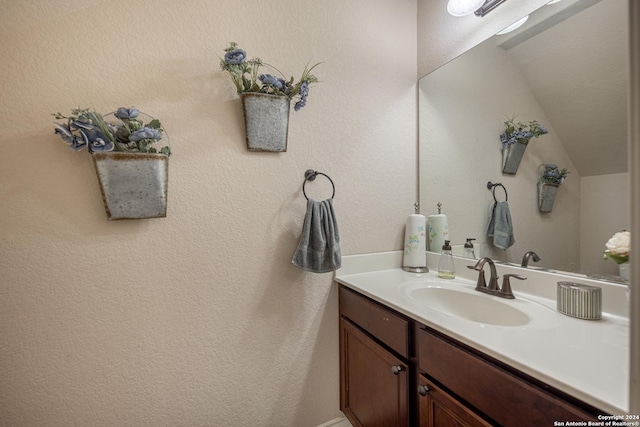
(467, 7)
(463, 7)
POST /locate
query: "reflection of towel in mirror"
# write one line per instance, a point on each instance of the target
(319, 247)
(500, 226)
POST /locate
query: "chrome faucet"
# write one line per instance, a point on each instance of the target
(493, 289)
(525, 258)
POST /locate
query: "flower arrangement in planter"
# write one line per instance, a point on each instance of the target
(618, 249)
(265, 98)
(514, 140)
(550, 179)
(132, 172)
(553, 175)
(88, 128)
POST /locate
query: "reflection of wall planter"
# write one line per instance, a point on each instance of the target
(266, 119)
(546, 196)
(511, 156)
(133, 185)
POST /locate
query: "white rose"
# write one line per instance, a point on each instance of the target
(620, 243)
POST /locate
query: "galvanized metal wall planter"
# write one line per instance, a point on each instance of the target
(266, 119)
(546, 196)
(511, 157)
(133, 185)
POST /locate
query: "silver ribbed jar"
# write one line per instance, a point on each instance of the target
(580, 301)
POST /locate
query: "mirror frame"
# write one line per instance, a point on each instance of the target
(634, 169)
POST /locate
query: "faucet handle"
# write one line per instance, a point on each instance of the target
(506, 285)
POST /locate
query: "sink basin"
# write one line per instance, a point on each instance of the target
(470, 305)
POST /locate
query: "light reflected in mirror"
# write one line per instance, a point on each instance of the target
(566, 68)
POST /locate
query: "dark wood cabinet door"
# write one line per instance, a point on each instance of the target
(491, 388)
(374, 383)
(438, 409)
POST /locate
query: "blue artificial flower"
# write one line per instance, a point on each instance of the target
(78, 124)
(95, 140)
(543, 129)
(304, 92)
(235, 57)
(551, 166)
(304, 89)
(270, 80)
(298, 105)
(64, 132)
(75, 142)
(127, 113)
(145, 133)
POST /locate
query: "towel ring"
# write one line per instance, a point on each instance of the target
(310, 175)
(492, 186)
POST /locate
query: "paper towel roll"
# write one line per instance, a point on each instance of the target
(415, 242)
(438, 232)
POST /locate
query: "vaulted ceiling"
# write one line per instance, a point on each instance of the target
(578, 70)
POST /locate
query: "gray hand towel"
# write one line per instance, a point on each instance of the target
(319, 247)
(500, 226)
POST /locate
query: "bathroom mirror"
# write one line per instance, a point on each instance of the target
(567, 68)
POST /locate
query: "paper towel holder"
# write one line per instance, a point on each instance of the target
(423, 269)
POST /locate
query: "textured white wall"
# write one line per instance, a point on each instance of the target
(198, 318)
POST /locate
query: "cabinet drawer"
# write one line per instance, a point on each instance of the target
(494, 391)
(381, 322)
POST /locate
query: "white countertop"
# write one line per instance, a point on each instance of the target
(586, 359)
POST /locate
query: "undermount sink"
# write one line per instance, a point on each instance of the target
(475, 307)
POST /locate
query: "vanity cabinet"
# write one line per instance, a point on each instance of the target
(394, 371)
(486, 390)
(375, 371)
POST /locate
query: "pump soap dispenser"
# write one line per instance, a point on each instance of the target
(446, 269)
(469, 251)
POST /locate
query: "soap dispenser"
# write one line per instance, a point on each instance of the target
(446, 269)
(469, 251)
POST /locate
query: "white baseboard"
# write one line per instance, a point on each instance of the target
(338, 422)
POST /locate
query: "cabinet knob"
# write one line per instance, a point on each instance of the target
(423, 390)
(396, 369)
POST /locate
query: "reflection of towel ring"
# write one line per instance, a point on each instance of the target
(492, 186)
(310, 175)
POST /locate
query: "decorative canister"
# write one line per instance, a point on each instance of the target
(133, 185)
(266, 120)
(580, 301)
(512, 155)
(547, 196)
